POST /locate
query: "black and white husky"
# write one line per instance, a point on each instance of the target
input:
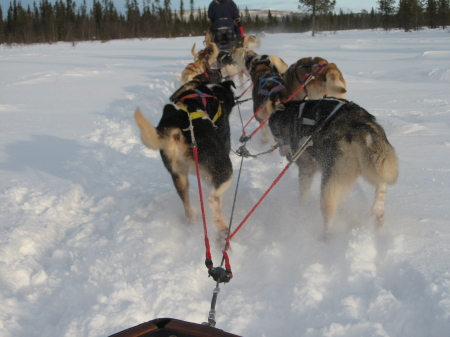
(208, 107)
(347, 142)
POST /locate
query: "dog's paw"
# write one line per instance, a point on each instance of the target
(222, 235)
(190, 215)
(378, 219)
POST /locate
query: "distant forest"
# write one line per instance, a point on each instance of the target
(53, 21)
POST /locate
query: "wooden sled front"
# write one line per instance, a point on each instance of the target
(169, 327)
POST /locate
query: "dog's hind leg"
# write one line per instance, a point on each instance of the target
(181, 182)
(306, 170)
(261, 116)
(336, 183)
(378, 205)
(215, 202)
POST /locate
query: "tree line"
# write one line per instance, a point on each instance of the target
(414, 14)
(63, 20)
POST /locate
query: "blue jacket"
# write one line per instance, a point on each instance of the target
(222, 13)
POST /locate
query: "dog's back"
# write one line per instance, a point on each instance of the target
(350, 125)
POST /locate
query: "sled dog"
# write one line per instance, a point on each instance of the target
(267, 92)
(208, 54)
(347, 142)
(244, 57)
(251, 41)
(209, 108)
(239, 56)
(208, 76)
(227, 66)
(327, 79)
(202, 62)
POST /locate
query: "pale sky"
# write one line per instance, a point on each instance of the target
(346, 5)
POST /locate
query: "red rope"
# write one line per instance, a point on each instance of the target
(205, 229)
(228, 239)
(254, 115)
(251, 84)
(295, 93)
(318, 71)
(259, 127)
(227, 261)
(231, 76)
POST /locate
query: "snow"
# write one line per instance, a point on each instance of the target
(93, 238)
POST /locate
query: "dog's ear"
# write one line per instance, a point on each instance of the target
(176, 136)
(228, 84)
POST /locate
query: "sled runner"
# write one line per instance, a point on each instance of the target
(167, 327)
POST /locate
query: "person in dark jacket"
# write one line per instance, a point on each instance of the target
(224, 13)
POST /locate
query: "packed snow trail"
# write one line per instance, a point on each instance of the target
(93, 238)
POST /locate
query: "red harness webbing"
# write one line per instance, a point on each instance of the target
(254, 115)
(231, 76)
(277, 179)
(197, 94)
(251, 84)
(228, 239)
(318, 71)
(205, 228)
(305, 79)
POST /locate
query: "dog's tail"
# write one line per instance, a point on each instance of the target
(336, 86)
(194, 53)
(178, 79)
(380, 163)
(149, 134)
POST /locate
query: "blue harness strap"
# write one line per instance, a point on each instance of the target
(267, 78)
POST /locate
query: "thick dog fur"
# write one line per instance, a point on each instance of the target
(329, 82)
(208, 37)
(208, 54)
(173, 139)
(239, 56)
(266, 77)
(202, 61)
(251, 41)
(192, 69)
(209, 76)
(227, 66)
(350, 144)
(243, 57)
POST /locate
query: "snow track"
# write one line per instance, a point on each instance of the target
(93, 238)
